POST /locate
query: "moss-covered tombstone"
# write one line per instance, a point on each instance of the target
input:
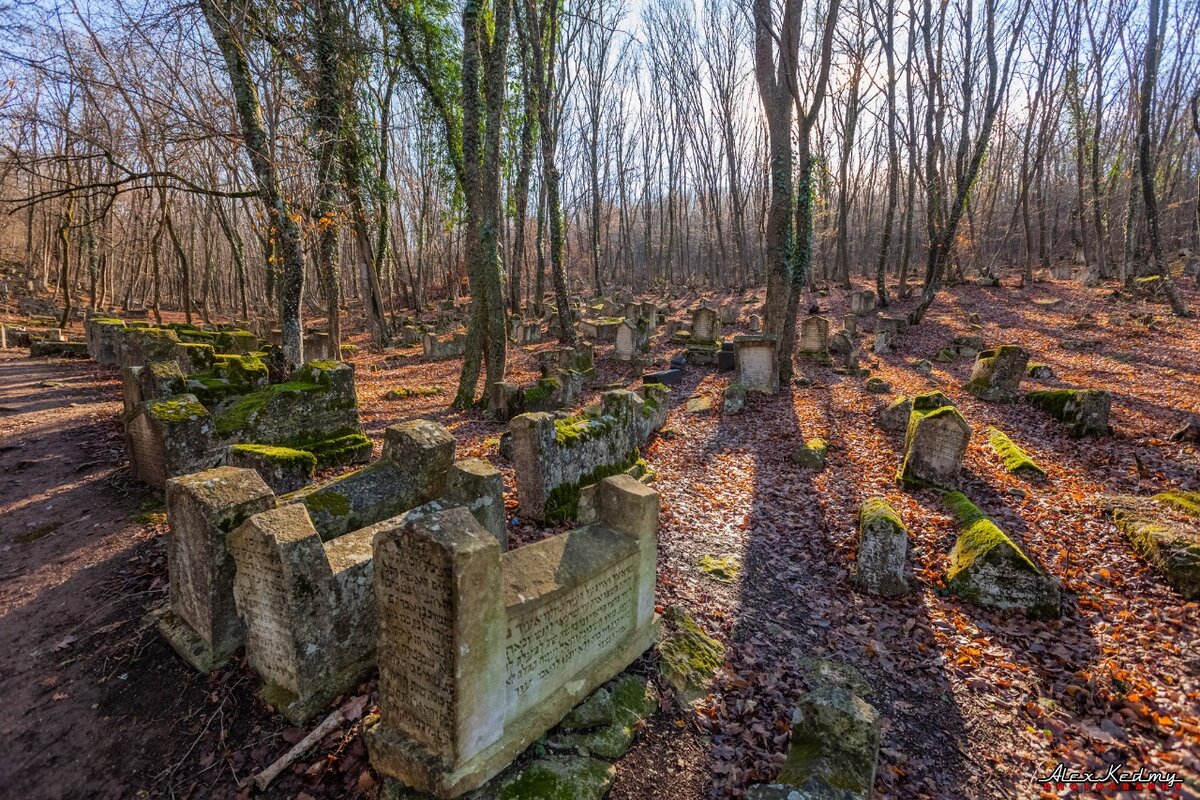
(557, 457)
(882, 565)
(1165, 530)
(989, 569)
(1084, 411)
(935, 442)
(1016, 460)
(996, 376)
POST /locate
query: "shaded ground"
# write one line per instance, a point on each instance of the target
(973, 705)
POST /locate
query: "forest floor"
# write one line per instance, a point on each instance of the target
(973, 705)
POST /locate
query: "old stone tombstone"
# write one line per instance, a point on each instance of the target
(553, 456)
(850, 323)
(631, 339)
(934, 445)
(201, 621)
(438, 348)
(862, 302)
(814, 340)
(892, 326)
(882, 564)
(481, 652)
(756, 364)
(996, 376)
(706, 325)
(756, 324)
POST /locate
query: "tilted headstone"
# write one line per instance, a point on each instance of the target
(757, 368)
(307, 604)
(481, 652)
(814, 340)
(934, 444)
(200, 621)
(997, 374)
(862, 303)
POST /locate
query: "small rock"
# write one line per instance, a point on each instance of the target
(923, 366)
(812, 454)
(877, 386)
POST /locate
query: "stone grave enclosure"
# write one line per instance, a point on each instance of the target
(481, 652)
(169, 431)
(555, 458)
(561, 389)
(290, 576)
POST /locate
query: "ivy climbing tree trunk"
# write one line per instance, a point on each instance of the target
(226, 22)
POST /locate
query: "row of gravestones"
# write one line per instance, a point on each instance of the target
(403, 565)
(986, 565)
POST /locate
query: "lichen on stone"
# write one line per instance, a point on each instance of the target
(688, 657)
(721, 568)
(1016, 460)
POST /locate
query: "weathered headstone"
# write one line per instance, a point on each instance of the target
(555, 458)
(442, 348)
(756, 365)
(862, 302)
(1084, 411)
(814, 340)
(201, 622)
(934, 444)
(882, 564)
(480, 653)
(997, 374)
(990, 569)
(631, 339)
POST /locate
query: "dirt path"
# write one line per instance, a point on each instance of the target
(69, 563)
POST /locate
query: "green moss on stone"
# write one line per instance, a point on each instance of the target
(877, 509)
(1016, 460)
(177, 410)
(541, 391)
(688, 657)
(280, 455)
(722, 568)
(405, 392)
(562, 504)
(1186, 502)
(237, 416)
(978, 537)
(329, 501)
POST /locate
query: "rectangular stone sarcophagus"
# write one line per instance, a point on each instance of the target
(481, 652)
(556, 457)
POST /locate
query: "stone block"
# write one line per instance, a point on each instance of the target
(669, 377)
(555, 458)
(862, 303)
(282, 468)
(996, 376)
(305, 605)
(201, 621)
(166, 438)
(481, 652)
(1084, 411)
(882, 566)
(756, 363)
